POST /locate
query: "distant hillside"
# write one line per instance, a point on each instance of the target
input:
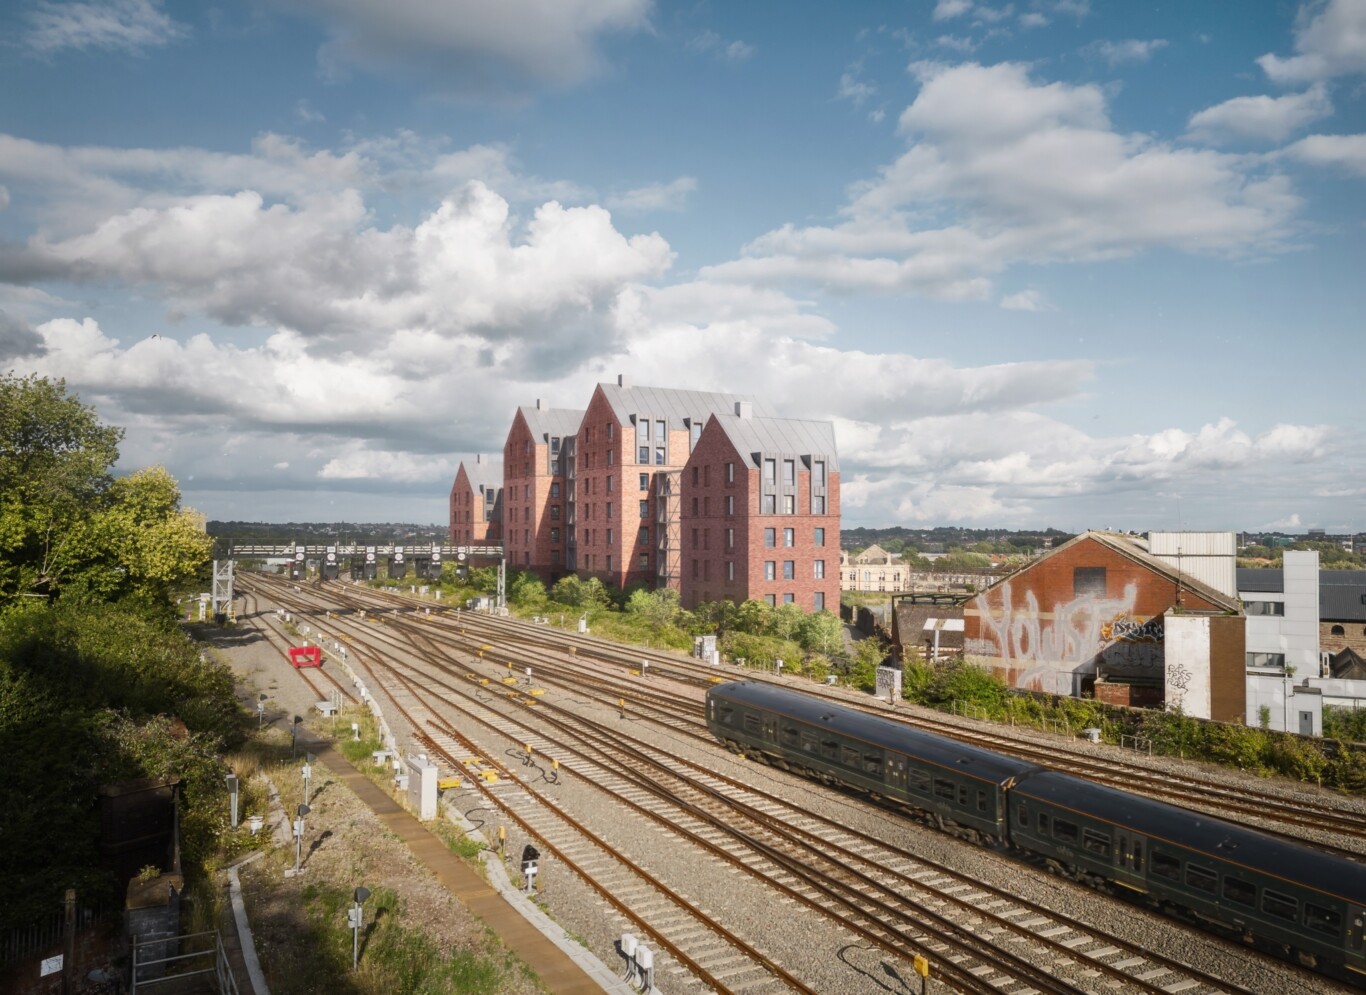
(942, 538)
(323, 533)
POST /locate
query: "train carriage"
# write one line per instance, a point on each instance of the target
(958, 784)
(1285, 894)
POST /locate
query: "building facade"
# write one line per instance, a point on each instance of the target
(759, 512)
(1090, 617)
(874, 569)
(535, 492)
(476, 503)
(631, 447)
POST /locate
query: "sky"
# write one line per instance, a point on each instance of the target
(1044, 264)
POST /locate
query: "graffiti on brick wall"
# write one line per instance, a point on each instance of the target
(1074, 637)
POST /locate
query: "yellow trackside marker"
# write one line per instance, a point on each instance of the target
(537, 691)
(509, 680)
(718, 680)
(447, 783)
(573, 651)
(484, 681)
(489, 776)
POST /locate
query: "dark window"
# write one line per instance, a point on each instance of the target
(1022, 815)
(1240, 892)
(943, 788)
(790, 736)
(850, 757)
(1278, 905)
(830, 749)
(1064, 830)
(1094, 842)
(1043, 823)
(1202, 879)
(727, 715)
(872, 764)
(981, 801)
(963, 796)
(808, 742)
(1138, 856)
(751, 723)
(918, 780)
(1088, 581)
(1322, 920)
(1165, 866)
(1264, 607)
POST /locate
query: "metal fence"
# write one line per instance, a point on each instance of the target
(154, 963)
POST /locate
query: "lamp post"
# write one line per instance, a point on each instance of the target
(354, 919)
(302, 810)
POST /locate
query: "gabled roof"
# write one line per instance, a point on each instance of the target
(546, 422)
(674, 405)
(484, 475)
(1135, 547)
(1262, 581)
(793, 436)
(1347, 664)
(875, 554)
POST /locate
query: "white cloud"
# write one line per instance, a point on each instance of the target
(1131, 51)
(1272, 119)
(1033, 19)
(121, 25)
(1346, 152)
(305, 112)
(1330, 40)
(956, 43)
(710, 43)
(671, 196)
(1026, 300)
(470, 47)
(853, 89)
(946, 10)
(1002, 170)
(1286, 524)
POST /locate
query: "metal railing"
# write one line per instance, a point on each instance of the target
(150, 962)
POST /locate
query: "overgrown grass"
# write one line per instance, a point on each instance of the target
(971, 690)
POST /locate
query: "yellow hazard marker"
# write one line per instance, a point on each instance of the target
(489, 776)
(555, 766)
(447, 783)
(537, 692)
(528, 753)
(621, 708)
(509, 680)
(502, 837)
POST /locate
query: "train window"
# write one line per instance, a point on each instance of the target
(981, 801)
(872, 765)
(850, 757)
(1022, 814)
(1278, 905)
(1165, 866)
(1138, 855)
(918, 780)
(1240, 892)
(727, 716)
(943, 788)
(790, 736)
(1043, 823)
(1202, 879)
(1322, 920)
(1064, 830)
(751, 722)
(963, 795)
(1095, 842)
(808, 742)
(830, 749)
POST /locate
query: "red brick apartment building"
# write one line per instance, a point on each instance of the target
(760, 512)
(626, 518)
(707, 494)
(535, 498)
(477, 503)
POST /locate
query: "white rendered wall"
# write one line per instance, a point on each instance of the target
(1186, 668)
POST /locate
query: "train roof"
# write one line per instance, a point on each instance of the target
(886, 733)
(1295, 863)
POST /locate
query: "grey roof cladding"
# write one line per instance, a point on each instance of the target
(1342, 595)
(543, 422)
(794, 436)
(1268, 581)
(484, 475)
(674, 405)
(1340, 591)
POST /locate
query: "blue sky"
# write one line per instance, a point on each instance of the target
(1049, 263)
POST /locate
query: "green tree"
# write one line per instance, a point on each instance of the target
(525, 589)
(660, 607)
(821, 632)
(55, 460)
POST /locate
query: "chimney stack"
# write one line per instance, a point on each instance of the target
(622, 380)
(744, 409)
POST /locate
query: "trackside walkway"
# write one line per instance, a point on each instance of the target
(560, 972)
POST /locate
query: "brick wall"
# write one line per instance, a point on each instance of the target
(1353, 634)
(533, 537)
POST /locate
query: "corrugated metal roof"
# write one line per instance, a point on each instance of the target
(552, 421)
(1342, 595)
(1267, 581)
(675, 405)
(791, 436)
